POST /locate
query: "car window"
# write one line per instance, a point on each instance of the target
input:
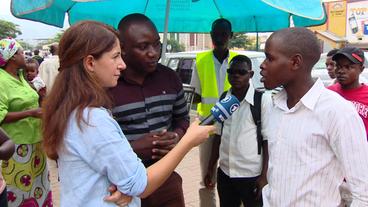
(173, 63)
(186, 64)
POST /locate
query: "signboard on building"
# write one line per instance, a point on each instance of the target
(357, 22)
(337, 18)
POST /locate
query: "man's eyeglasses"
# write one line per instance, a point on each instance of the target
(239, 72)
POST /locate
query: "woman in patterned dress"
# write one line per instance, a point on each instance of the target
(26, 173)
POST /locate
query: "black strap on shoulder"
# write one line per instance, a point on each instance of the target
(223, 95)
(256, 113)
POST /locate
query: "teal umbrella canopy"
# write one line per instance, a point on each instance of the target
(184, 15)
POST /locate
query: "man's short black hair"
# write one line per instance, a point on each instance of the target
(126, 21)
(129, 19)
(241, 59)
(219, 21)
(332, 52)
(36, 52)
(299, 40)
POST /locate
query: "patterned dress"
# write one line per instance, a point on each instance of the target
(26, 173)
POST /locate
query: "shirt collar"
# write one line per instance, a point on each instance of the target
(249, 97)
(309, 100)
(148, 76)
(217, 61)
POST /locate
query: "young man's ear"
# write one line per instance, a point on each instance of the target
(361, 68)
(123, 53)
(88, 63)
(211, 34)
(251, 73)
(296, 61)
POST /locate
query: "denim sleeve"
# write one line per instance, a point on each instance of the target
(108, 152)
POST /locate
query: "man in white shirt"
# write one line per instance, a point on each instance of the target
(242, 171)
(316, 138)
(49, 68)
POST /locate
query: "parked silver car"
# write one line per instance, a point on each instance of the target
(184, 63)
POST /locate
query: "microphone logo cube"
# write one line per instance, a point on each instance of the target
(234, 107)
(223, 109)
(226, 99)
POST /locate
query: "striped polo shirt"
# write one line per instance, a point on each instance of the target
(155, 105)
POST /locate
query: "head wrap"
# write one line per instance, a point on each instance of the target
(8, 47)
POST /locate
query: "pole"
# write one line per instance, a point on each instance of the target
(164, 41)
(257, 43)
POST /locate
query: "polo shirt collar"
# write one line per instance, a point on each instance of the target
(127, 80)
(217, 61)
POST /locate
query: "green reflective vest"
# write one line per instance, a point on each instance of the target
(207, 77)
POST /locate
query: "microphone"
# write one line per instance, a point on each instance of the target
(222, 110)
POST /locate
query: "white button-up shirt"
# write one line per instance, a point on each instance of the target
(48, 71)
(238, 149)
(312, 147)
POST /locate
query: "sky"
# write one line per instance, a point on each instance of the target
(29, 29)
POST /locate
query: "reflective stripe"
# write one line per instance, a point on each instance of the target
(209, 100)
(204, 109)
(223, 110)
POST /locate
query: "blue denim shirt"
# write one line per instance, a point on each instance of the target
(94, 157)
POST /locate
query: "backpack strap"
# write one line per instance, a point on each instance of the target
(256, 113)
(223, 95)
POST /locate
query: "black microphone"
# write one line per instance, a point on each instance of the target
(222, 110)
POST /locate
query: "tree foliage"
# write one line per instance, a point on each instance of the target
(242, 41)
(55, 39)
(175, 45)
(9, 29)
(25, 45)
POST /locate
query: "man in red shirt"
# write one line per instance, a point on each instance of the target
(349, 65)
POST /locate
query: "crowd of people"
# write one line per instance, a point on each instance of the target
(116, 122)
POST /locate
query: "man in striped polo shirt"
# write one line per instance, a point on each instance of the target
(149, 103)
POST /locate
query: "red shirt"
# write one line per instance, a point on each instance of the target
(358, 96)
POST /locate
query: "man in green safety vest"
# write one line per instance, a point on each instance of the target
(210, 80)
